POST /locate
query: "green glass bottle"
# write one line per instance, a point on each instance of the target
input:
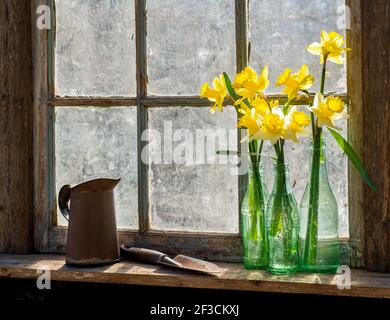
(319, 240)
(253, 207)
(282, 225)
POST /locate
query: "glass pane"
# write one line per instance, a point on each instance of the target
(297, 155)
(191, 188)
(280, 31)
(95, 143)
(189, 42)
(95, 48)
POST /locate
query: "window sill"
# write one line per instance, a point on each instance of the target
(235, 277)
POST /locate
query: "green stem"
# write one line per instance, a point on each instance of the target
(310, 249)
(280, 187)
(258, 192)
(323, 76)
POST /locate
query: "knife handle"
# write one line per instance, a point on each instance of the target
(144, 255)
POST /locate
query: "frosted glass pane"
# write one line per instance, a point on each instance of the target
(95, 143)
(189, 42)
(280, 31)
(193, 197)
(95, 48)
(298, 158)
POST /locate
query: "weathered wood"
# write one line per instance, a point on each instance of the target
(216, 247)
(16, 155)
(376, 137)
(42, 139)
(241, 13)
(142, 114)
(241, 34)
(158, 101)
(233, 277)
(104, 102)
(355, 133)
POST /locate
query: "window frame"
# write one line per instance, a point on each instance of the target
(49, 237)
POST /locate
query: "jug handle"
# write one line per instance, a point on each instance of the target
(63, 200)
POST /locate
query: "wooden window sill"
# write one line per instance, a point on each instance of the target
(235, 277)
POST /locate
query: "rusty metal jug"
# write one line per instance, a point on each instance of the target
(92, 233)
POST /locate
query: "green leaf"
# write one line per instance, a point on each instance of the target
(353, 157)
(230, 88)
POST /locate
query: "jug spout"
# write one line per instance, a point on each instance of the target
(96, 185)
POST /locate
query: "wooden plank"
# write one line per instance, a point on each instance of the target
(376, 137)
(142, 114)
(216, 247)
(43, 135)
(16, 156)
(241, 34)
(241, 8)
(157, 101)
(355, 133)
(233, 277)
(103, 102)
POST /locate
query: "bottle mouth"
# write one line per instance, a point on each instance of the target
(260, 166)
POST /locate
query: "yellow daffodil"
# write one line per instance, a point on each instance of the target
(271, 127)
(328, 110)
(262, 106)
(216, 94)
(250, 120)
(296, 123)
(329, 48)
(253, 84)
(302, 80)
(247, 74)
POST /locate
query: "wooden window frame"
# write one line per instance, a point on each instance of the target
(52, 238)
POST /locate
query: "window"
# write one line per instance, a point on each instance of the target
(119, 67)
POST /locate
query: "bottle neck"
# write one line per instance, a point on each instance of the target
(282, 179)
(318, 151)
(255, 168)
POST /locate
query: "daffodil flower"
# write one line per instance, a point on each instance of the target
(328, 110)
(247, 74)
(272, 126)
(249, 84)
(250, 120)
(216, 94)
(295, 125)
(302, 80)
(329, 48)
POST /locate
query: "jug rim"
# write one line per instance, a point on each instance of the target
(96, 185)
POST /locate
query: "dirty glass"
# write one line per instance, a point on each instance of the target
(188, 43)
(191, 188)
(95, 143)
(280, 31)
(95, 48)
